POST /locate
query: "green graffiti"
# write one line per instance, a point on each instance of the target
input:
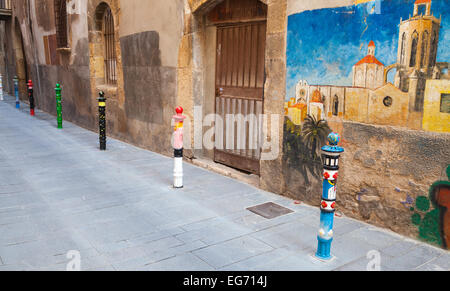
(429, 225)
(416, 219)
(428, 214)
(429, 228)
(423, 203)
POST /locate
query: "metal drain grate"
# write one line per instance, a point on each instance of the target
(270, 210)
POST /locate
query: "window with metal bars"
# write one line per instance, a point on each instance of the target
(110, 50)
(61, 23)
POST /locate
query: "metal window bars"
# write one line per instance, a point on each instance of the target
(61, 23)
(110, 50)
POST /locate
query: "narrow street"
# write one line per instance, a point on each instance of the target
(59, 193)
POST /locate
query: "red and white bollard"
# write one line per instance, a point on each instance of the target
(31, 97)
(178, 148)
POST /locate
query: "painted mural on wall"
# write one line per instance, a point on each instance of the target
(384, 64)
(432, 214)
(380, 62)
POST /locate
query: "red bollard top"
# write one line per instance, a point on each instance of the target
(179, 116)
(30, 84)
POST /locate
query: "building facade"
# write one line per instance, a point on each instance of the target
(217, 58)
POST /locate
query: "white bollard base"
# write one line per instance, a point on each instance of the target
(178, 173)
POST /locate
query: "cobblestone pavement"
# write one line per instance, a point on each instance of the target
(117, 208)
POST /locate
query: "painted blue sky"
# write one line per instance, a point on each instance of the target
(323, 45)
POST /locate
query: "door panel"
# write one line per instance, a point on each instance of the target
(239, 94)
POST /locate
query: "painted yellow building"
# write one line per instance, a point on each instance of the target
(296, 112)
(436, 109)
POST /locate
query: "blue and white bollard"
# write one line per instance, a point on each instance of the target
(330, 157)
(1, 87)
(16, 91)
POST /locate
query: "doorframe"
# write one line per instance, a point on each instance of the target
(190, 81)
(219, 155)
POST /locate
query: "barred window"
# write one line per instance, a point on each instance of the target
(433, 49)
(403, 49)
(61, 23)
(424, 48)
(110, 50)
(445, 102)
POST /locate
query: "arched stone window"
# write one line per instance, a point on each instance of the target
(433, 50)
(403, 49)
(424, 49)
(61, 23)
(335, 105)
(414, 45)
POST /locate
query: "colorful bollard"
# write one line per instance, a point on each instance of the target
(102, 120)
(31, 97)
(16, 91)
(58, 106)
(178, 148)
(1, 87)
(330, 156)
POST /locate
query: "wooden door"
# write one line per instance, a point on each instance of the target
(239, 94)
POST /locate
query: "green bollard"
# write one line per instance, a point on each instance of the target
(59, 106)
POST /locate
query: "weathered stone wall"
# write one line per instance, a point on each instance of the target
(142, 81)
(274, 91)
(150, 33)
(3, 58)
(150, 90)
(140, 107)
(10, 70)
(383, 171)
(384, 167)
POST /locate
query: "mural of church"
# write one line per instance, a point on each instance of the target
(412, 92)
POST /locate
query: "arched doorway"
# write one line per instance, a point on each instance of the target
(239, 82)
(196, 84)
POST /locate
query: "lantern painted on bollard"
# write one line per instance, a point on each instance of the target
(330, 156)
(102, 120)
(1, 88)
(31, 97)
(58, 106)
(178, 148)
(16, 91)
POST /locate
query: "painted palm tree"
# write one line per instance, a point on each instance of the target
(314, 134)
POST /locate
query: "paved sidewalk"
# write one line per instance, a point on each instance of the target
(59, 193)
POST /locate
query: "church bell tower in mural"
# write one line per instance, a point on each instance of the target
(417, 53)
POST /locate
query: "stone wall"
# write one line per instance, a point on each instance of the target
(383, 172)
(140, 106)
